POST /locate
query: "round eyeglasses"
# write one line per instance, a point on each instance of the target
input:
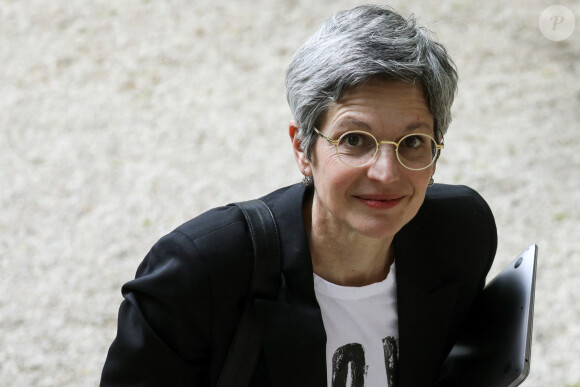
(357, 148)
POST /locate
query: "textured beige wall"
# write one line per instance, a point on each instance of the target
(120, 120)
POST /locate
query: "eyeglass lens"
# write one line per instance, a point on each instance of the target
(415, 151)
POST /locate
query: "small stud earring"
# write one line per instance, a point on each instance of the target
(431, 182)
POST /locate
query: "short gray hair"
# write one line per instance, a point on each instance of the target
(356, 45)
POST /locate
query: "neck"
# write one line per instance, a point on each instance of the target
(345, 257)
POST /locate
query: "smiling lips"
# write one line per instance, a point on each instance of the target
(380, 201)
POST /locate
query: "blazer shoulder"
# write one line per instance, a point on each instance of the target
(198, 248)
(458, 200)
(216, 222)
(442, 191)
(221, 223)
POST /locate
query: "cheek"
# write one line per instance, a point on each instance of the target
(421, 178)
(333, 177)
(420, 182)
(326, 166)
(324, 154)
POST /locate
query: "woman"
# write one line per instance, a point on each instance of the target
(380, 270)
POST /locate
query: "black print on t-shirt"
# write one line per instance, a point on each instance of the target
(391, 360)
(352, 356)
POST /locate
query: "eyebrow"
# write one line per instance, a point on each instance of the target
(367, 127)
(419, 125)
(355, 122)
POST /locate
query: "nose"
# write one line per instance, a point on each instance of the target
(385, 167)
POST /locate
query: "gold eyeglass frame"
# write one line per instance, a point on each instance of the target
(438, 147)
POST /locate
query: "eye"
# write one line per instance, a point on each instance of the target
(413, 142)
(354, 139)
(357, 140)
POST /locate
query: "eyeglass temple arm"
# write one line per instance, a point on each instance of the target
(330, 140)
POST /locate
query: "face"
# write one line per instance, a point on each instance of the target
(376, 200)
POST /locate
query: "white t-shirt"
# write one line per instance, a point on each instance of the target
(362, 332)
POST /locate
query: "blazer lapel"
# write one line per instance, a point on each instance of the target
(294, 336)
(425, 306)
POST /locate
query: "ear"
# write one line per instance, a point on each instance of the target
(299, 155)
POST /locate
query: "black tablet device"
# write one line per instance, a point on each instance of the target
(494, 348)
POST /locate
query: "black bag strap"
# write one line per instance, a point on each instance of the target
(246, 346)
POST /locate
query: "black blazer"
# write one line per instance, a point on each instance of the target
(180, 313)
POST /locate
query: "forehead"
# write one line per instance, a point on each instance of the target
(380, 103)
